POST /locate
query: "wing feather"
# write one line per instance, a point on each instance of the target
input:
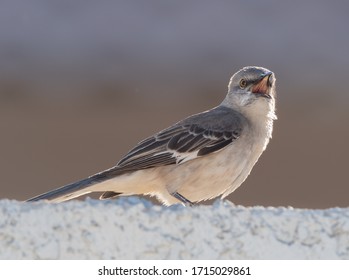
(196, 136)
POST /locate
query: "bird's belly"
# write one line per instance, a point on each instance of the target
(199, 179)
(213, 175)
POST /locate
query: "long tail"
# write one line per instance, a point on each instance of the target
(78, 188)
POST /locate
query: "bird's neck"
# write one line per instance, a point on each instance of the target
(260, 115)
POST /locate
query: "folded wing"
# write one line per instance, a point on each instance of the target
(196, 136)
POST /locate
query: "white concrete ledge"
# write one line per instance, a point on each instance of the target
(132, 228)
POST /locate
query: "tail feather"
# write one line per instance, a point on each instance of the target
(72, 190)
(81, 187)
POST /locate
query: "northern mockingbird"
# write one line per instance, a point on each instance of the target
(201, 157)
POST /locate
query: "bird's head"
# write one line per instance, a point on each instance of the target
(251, 91)
(251, 84)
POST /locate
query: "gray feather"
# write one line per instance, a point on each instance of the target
(201, 134)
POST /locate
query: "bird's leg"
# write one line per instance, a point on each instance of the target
(182, 199)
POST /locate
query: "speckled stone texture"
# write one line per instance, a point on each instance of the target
(133, 228)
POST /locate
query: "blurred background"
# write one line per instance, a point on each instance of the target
(81, 82)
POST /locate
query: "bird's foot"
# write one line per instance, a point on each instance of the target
(182, 199)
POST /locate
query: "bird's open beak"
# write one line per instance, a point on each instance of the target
(262, 86)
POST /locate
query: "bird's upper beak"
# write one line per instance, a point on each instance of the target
(262, 86)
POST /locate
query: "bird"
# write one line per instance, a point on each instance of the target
(204, 156)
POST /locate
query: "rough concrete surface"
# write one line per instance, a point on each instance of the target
(133, 228)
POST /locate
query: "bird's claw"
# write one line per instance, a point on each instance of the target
(182, 199)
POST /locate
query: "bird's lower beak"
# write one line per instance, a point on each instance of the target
(262, 86)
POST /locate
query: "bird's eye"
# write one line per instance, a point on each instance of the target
(242, 83)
